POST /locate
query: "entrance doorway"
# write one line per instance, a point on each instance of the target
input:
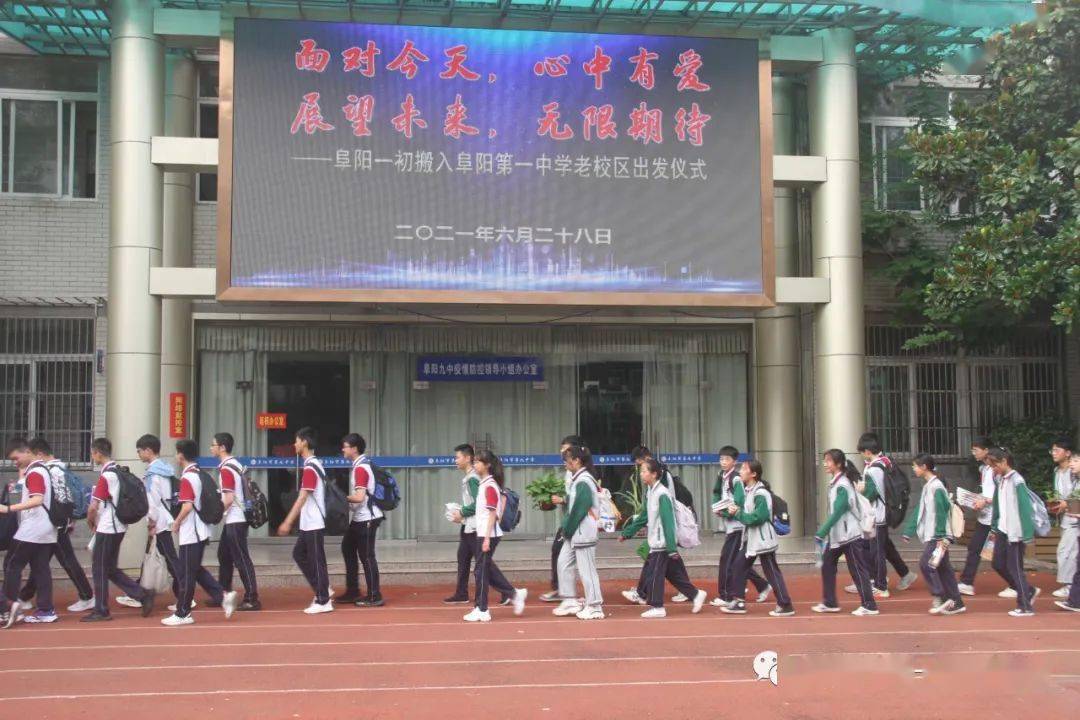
(610, 412)
(310, 393)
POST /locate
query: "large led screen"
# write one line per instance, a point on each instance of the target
(468, 165)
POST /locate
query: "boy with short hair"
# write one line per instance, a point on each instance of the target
(980, 446)
(233, 543)
(309, 553)
(365, 520)
(727, 488)
(470, 484)
(929, 520)
(882, 550)
(1065, 483)
(556, 545)
(108, 534)
(1014, 527)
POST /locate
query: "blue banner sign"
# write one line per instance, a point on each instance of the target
(465, 368)
(436, 461)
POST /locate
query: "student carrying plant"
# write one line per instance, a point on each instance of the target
(556, 545)
(760, 542)
(929, 521)
(580, 532)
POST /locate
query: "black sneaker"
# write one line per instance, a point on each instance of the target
(737, 608)
(506, 601)
(371, 602)
(95, 617)
(350, 596)
(249, 605)
(456, 600)
(148, 603)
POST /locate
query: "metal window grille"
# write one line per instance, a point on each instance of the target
(47, 383)
(937, 399)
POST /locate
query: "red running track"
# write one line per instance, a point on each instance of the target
(416, 659)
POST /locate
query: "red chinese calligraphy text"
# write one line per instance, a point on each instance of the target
(359, 112)
(643, 74)
(689, 124)
(646, 125)
(309, 117)
(454, 124)
(455, 65)
(597, 66)
(549, 124)
(687, 70)
(311, 57)
(552, 66)
(362, 61)
(598, 118)
(406, 60)
(409, 117)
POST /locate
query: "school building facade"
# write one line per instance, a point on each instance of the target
(110, 321)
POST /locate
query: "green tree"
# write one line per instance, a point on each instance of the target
(1012, 161)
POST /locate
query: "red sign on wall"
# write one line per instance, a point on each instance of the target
(177, 415)
(270, 421)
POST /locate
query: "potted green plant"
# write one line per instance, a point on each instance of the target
(1073, 502)
(542, 488)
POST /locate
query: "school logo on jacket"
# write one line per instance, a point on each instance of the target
(765, 666)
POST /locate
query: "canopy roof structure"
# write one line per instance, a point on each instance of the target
(887, 30)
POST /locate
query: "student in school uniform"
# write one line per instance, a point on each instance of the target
(729, 489)
(883, 551)
(980, 446)
(1065, 483)
(760, 542)
(1014, 527)
(664, 561)
(18, 452)
(841, 534)
(489, 505)
(233, 544)
(309, 553)
(639, 595)
(470, 487)
(194, 535)
(108, 534)
(33, 545)
(366, 518)
(930, 523)
(560, 500)
(63, 550)
(578, 557)
(1072, 602)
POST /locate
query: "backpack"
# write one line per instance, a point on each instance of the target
(1039, 514)
(386, 494)
(866, 515)
(9, 522)
(80, 492)
(686, 528)
(780, 519)
(256, 507)
(211, 509)
(956, 519)
(897, 491)
(338, 514)
(132, 503)
(511, 511)
(61, 504)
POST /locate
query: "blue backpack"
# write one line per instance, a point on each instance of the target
(511, 514)
(387, 494)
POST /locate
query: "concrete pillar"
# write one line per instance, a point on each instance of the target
(778, 416)
(133, 364)
(839, 341)
(179, 205)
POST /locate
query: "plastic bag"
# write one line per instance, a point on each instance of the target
(155, 573)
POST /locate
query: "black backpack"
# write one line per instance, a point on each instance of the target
(132, 503)
(897, 491)
(386, 494)
(256, 508)
(338, 514)
(9, 522)
(212, 508)
(61, 508)
(780, 519)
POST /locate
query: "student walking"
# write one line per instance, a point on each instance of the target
(664, 561)
(233, 544)
(729, 489)
(930, 523)
(310, 507)
(194, 534)
(580, 528)
(560, 500)
(489, 506)
(32, 545)
(1072, 602)
(1065, 484)
(108, 534)
(760, 542)
(841, 534)
(883, 551)
(1014, 527)
(470, 488)
(980, 446)
(364, 524)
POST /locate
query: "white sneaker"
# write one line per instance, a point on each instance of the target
(1038, 592)
(1062, 592)
(966, 589)
(718, 602)
(1064, 605)
(851, 589)
(863, 612)
(175, 621)
(680, 598)
(737, 607)
(764, 594)
(782, 611)
(1007, 593)
(941, 607)
(907, 581)
(880, 593)
(477, 616)
(591, 613)
(81, 605)
(655, 613)
(519, 600)
(1021, 613)
(171, 608)
(133, 603)
(699, 601)
(633, 597)
(228, 604)
(553, 596)
(317, 609)
(823, 608)
(568, 607)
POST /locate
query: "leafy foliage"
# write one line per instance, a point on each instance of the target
(1029, 442)
(543, 487)
(1013, 162)
(910, 262)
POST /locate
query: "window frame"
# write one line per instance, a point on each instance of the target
(61, 99)
(200, 101)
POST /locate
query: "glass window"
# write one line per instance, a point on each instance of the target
(34, 153)
(208, 80)
(208, 128)
(896, 189)
(49, 147)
